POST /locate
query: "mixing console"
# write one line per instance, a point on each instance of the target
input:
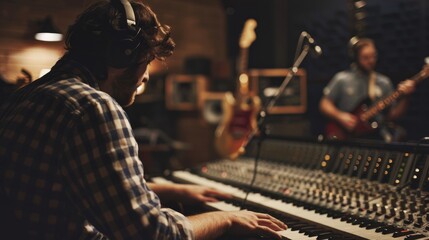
(330, 190)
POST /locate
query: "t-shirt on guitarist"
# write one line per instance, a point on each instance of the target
(351, 92)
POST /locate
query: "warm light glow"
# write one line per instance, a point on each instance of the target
(157, 67)
(44, 71)
(270, 92)
(140, 89)
(34, 59)
(48, 37)
(244, 79)
(360, 4)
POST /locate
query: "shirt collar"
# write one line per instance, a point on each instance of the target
(67, 67)
(355, 69)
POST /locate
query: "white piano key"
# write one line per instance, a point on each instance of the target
(223, 206)
(295, 235)
(288, 234)
(287, 208)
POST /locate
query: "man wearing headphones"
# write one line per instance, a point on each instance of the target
(68, 160)
(349, 88)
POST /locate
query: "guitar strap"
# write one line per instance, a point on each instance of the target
(371, 85)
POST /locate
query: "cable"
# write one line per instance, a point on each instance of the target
(255, 172)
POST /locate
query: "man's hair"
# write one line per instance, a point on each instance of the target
(89, 38)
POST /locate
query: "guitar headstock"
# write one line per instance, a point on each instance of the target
(248, 36)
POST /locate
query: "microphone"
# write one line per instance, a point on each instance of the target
(316, 49)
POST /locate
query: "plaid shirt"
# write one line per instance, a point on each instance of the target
(69, 165)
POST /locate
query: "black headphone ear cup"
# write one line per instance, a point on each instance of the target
(123, 48)
(121, 53)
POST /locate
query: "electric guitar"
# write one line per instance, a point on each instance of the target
(365, 113)
(239, 113)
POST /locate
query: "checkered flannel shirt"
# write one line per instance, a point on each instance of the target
(69, 164)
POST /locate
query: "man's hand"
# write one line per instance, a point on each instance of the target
(347, 120)
(237, 224)
(187, 193)
(247, 223)
(407, 87)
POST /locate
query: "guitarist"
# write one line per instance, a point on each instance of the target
(349, 88)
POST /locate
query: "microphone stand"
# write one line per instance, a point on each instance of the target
(264, 113)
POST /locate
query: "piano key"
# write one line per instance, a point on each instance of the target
(223, 206)
(287, 208)
(294, 235)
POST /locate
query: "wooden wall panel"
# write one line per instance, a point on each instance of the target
(198, 29)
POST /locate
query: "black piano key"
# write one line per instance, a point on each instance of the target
(298, 226)
(325, 236)
(316, 232)
(306, 228)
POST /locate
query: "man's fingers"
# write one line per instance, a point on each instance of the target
(268, 223)
(208, 199)
(216, 193)
(272, 219)
(267, 232)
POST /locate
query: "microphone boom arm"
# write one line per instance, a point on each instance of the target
(272, 101)
(262, 116)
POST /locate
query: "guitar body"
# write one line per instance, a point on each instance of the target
(335, 130)
(239, 112)
(239, 120)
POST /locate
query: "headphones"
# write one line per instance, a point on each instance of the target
(122, 49)
(356, 44)
(352, 50)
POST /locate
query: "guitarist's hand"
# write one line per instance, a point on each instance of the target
(407, 86)
(347, 120)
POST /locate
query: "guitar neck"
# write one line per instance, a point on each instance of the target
(388, 101)
(242, 79)
(242, 61)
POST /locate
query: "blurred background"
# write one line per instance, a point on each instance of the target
(176, 116)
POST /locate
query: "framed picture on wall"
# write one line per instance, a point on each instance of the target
(266, 82)
(211, 107)
(183, 91)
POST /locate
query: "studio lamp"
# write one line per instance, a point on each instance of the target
(48, 32)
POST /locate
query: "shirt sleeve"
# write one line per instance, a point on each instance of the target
(104, 178)
(333, 89)
(386, 85)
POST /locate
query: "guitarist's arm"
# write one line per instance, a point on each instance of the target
(328, 108)
(407, 87)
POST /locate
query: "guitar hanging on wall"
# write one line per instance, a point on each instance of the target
(365, 113)
(239, 113)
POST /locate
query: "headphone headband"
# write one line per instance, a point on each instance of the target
(355, 45)
(123, 50)
(129, 12)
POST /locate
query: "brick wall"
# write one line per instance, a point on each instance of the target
(198, 29)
